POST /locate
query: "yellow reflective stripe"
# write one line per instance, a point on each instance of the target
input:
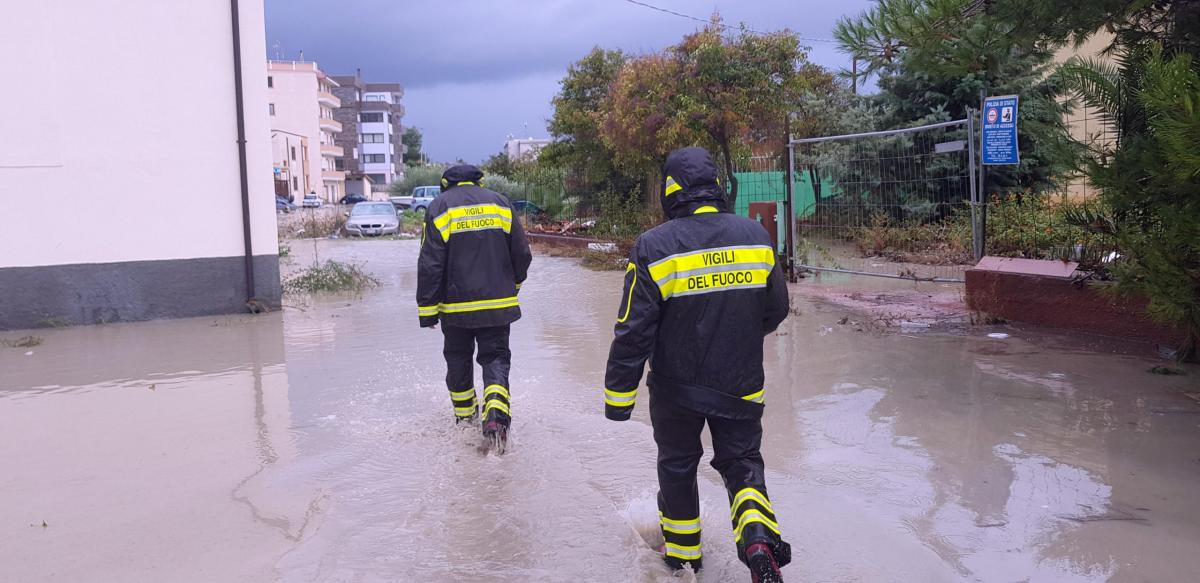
(679, 526)
(445, 222)
(705, 210)
(494, 404)
(752, 516)
(683, 552)
(461, 307)
(620, 399)
(464, 411)
(497, 389)
(460, 395)
(428, 310)
(672, 186)
(629, 300)
(518, 286)
(748, 494)
(758, 397)
(717, 256)
(716, 269)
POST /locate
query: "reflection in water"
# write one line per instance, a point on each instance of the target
(317, 445)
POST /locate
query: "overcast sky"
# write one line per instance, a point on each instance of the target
(475, 71)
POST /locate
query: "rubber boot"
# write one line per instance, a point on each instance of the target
(763, 568)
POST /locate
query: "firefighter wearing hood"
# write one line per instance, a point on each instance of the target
(701, 292)
(474, 257)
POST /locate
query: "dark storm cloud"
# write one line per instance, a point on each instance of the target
(499, 46)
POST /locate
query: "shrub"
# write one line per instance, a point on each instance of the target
(330, 276)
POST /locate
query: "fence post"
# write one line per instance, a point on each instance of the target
(976, 234)
(791, 211)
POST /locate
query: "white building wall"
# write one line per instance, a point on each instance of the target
(145, 167)
(297, 113)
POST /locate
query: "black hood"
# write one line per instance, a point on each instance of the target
(460, 173)
(691, 181)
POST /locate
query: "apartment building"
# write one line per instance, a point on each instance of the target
(158, 199)
(525, 148)
(301, 106)
(373, 148)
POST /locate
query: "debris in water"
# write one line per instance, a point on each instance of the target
(603, 247)
(23, 342)
(825, 330)
(909, 326)
(998, 335)
(1167, 371)
(152, 386)
(30, 353)
(843, 321)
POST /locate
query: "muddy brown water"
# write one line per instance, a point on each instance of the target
(316, 445)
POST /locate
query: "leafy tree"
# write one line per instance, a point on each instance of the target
(934, 58)
(722, 92)
(578, 114)
(499, 164)
(430, 175)
(412, 142)
(1150, 177)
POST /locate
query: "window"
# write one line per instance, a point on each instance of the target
(339, 164)
(270, 81)
(377, 178)
(271, 106)
(372, 138)
(371, 117)
(293, 153)
(375, 158)
(295, 183)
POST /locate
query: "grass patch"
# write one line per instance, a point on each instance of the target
(330, 276)
(24, 342)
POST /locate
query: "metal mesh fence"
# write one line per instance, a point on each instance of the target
(896, 204)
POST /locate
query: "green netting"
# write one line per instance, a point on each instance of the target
(772, 187)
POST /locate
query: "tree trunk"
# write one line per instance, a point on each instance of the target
(733, 181)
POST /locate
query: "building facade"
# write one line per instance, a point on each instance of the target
(139, 204)
(525, 148)
(301, 105)
(374, 148)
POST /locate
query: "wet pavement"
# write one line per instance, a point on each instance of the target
(316, 445)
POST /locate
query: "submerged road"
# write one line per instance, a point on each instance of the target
(317, 445)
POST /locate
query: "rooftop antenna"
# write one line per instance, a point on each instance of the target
(301, 55)
(278, 51)
(527, 129)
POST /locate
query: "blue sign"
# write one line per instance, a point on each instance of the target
(1000, 131)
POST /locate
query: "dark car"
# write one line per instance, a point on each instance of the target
(283, 205)
(528, 208)
(352, 199)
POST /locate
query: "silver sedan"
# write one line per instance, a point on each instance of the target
(372, 219)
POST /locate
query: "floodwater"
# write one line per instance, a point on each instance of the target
(317, 445)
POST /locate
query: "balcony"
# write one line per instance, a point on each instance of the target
(331, 125)
(332, 151)
(333, 176)
(327, 98)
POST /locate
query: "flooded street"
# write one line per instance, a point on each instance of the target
(317, 444)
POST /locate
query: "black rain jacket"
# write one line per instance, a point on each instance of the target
(474, 256)
(701, 292)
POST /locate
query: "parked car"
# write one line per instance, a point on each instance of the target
(528, 208)
(402, 203)
(311, 201)
(423, 195)
(352, 198)
(283, 205)
(373, 219)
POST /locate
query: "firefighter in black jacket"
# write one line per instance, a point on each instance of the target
(474, 257)
(701, 292)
